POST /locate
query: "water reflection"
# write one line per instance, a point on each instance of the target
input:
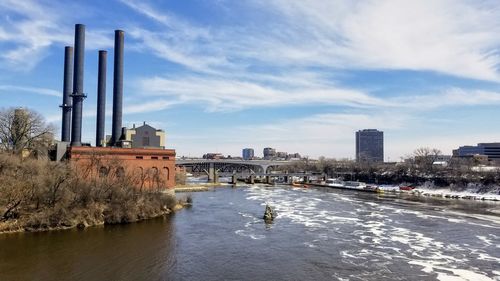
(142, 251)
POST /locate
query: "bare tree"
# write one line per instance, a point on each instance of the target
(424, 157)
(22, 129)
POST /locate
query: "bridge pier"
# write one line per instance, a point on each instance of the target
(268, 179)
(251, 179)
(234, 179)
(306, 179)
(213, 176)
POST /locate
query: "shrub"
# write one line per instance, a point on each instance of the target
(39, 195)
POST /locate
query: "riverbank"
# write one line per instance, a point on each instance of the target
(417, 192)
(198, 187)
(38, 195)
(96, 215)
(182, 189)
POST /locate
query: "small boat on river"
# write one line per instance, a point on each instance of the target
(335, 183)
(356, 185)
(406, 187)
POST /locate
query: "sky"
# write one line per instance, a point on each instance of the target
(297, 75)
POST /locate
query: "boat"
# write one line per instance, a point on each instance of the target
(335, 183)
(355, 185)
(406, 187)
(298, 184)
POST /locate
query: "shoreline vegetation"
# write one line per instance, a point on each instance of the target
(40, 195)
(419, 169)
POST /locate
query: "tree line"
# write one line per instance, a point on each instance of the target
(417, 168)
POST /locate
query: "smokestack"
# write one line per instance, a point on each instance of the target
(66, 104)
(78, 95)
(101, 99)
(123, 135)
(117, 88)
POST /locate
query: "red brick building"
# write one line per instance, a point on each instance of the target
(149, 168)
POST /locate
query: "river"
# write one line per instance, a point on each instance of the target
(319, 234)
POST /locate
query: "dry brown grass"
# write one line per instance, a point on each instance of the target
(40, 195)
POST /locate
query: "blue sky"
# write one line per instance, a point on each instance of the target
(300, 76)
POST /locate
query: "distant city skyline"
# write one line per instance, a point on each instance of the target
(298, 76)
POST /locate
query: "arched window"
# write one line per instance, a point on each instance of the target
(167, 172)
(139, 176)
(103, 172)
(120, 172)
(156, 177)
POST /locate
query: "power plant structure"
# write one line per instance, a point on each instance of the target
(149, 166)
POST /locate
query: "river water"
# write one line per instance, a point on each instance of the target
(320, 234)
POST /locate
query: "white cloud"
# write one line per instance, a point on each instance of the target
(218, 94)
(171, 21)
(452, 97)
(229, 94)
(149, 106)
(33, 90)
(176, 49)
(453, 37)
(38, 26)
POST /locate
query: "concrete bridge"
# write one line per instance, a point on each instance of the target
(214, 167)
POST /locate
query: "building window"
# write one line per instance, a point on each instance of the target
(103, 172)
(145, 141)
(120, 172)
(139, 157)
(154, 157)
(167, 171)
(156, 177)
(165, 158)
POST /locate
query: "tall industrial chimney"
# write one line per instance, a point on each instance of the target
(117, 88)
(78, 95)
(66, 104)
(101, 99)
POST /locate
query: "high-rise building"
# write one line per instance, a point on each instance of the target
(248, 154)
(269, 153)
(369, 145)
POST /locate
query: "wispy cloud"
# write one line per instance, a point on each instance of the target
(173, 49)
(169, 20)
(217, 94)
(8, 89)
(149, 106)
(38, 25)
(452, 97)
(453, 37)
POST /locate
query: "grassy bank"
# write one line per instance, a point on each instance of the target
(38, 195)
